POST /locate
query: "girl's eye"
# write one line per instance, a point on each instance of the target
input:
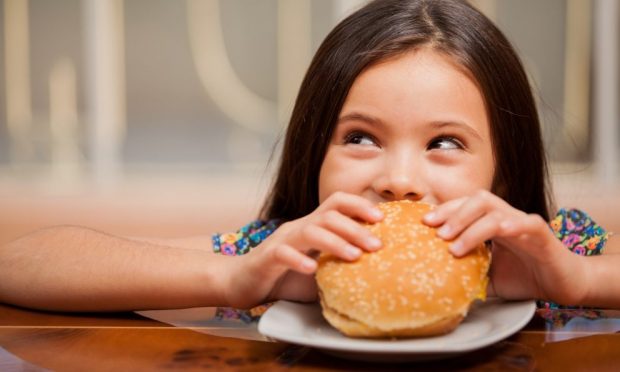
(360, 138)
(445, 143)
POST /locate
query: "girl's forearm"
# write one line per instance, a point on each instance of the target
(77, 269)
(603, 277)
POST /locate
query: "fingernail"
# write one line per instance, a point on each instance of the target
(352, 252)
(430, 217)
(308, 264)
(456, 248)
(373, 243)
(444, 231)
(377, 214)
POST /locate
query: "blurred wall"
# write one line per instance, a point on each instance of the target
(140, 115)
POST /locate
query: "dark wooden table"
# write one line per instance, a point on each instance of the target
(32, 341)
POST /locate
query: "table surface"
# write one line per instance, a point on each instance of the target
(32, 340)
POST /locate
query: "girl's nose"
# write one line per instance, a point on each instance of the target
(400, 180)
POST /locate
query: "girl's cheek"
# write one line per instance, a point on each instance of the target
(447, 186)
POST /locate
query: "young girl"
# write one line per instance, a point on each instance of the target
(420, 100)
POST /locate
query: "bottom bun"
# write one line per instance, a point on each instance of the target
(353, 328)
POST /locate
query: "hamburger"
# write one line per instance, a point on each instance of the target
(412, 287)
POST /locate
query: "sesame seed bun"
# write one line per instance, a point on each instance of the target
(413, 286)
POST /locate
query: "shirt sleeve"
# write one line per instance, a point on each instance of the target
(243, 240)
(578, 232)
(581, 235)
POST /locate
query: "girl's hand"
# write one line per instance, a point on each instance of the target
(528, 261)
(282, 266)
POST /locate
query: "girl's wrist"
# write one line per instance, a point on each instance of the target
(583, 279)
(236, 275)
(227, 283)
(217, 276)
(572, 286)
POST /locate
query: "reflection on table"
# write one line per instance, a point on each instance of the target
(226, 338)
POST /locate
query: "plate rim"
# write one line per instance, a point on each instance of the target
(371, 346)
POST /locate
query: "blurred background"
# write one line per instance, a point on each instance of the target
(160, 117)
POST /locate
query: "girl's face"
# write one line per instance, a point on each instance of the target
(412, 127)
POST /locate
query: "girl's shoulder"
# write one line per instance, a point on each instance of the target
(247, 237)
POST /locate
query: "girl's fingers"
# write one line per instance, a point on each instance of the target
(481, 230)
(293, 259)
(351, 231)
(471, 210)
(315, 237)
(526, 232)
(353, 206)
(440, 214)
(531, 224)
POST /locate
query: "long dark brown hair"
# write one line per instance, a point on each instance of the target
(387, 28)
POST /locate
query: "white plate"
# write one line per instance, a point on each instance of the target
(487, 322)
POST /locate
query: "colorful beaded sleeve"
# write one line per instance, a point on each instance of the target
(246, 316)
(581, 235)
(578, 232)
(244, 239)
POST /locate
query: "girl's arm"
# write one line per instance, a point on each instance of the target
(613, 244)
(200, 242)
(603, 277)
(77, 269)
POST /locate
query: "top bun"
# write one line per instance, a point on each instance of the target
(413, 286)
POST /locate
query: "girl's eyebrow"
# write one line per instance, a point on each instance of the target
(357, 116)
(436, 125)
(456, 124)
